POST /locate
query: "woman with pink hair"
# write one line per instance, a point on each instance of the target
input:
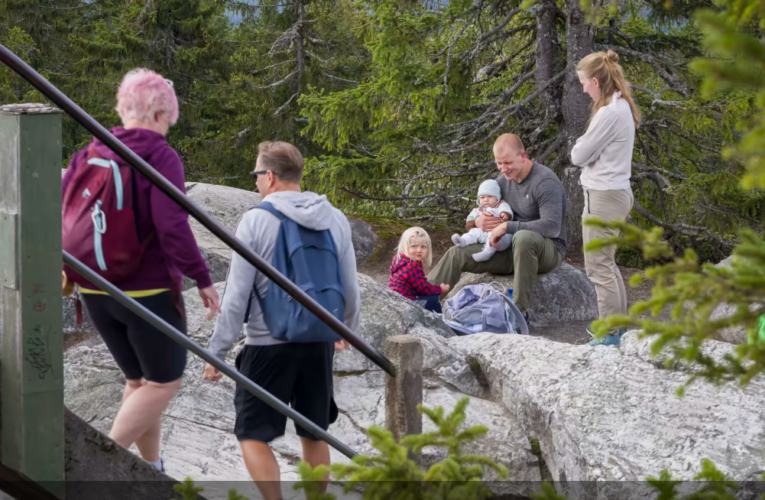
(152, 363)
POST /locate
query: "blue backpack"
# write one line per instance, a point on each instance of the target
(309, 259)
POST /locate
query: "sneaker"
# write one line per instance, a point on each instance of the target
(591, 331)
(613, 339)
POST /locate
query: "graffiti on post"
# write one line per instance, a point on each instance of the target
(38, 353)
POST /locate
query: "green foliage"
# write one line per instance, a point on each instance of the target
(393, 474)
(714, 485)
(187, 489)
(733, 34)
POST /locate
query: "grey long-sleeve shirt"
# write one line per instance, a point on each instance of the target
(258, 229)
(538, 203)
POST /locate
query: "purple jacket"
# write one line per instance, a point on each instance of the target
(173, 252)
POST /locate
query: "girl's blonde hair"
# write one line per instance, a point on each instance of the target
(605, 67)
(406, 240)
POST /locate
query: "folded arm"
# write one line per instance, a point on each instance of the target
(600, 133)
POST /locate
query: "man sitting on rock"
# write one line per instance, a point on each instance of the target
(300, 374)
(538, 200)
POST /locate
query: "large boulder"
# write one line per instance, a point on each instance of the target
(70, 317)
(226, 205)
(198, 438)
(607, 417)
(364, 239)
(733, 335)
(385, 313)
(565, 294)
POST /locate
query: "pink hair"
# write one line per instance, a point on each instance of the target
(143, 93)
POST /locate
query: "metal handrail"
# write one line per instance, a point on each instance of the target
(139, 164)
(203, 353)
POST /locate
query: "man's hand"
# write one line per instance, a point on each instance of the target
(211, 373)
(496, 234)
(341, 345)
(487, 223)
(444, 288)
(210, 300)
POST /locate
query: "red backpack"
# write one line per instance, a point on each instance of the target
(98, 223)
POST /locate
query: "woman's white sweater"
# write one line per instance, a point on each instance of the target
(605, 150)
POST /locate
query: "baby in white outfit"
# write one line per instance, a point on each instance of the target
(490, 203)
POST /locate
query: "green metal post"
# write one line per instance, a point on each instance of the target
(30, 298)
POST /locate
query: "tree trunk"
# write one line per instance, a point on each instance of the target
(300, 45)
(575, 106)
(548, 59)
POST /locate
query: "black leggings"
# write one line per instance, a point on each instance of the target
(140, 350)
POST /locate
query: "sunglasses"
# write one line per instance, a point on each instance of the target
(254, 175)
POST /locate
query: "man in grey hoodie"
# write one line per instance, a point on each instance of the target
(297, 373)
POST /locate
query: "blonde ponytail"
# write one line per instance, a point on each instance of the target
(604, 66)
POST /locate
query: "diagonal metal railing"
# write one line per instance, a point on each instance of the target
(215, 227)
(136, 162)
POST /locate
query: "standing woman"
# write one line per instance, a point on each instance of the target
(605, 153)
(152, 363)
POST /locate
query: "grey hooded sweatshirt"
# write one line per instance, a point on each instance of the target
(259, 229)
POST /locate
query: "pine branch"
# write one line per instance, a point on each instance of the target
(684, 229)
(283, 81)
(675, 83)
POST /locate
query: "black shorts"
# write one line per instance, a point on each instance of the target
(297, 374)
(140, 350)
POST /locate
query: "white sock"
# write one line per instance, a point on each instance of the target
(458, 241)
(157, 465)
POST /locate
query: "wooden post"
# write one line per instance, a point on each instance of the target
(30, 294)
(404, 392)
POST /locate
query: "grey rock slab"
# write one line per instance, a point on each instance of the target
(733, 335)
(226, 205)
(385, 313)
(198, 439)
(70, 317)
(639, 346)
(608, 414)
(199, 328)
(198, 425)
(97, 468)
(364, 239)
(564, 294)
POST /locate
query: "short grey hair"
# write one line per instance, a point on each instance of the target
(283, 159)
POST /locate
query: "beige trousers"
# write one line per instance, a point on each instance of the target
(601, 264)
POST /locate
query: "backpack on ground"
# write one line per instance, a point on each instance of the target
(483, 308)
(98, 221)
(309, 259)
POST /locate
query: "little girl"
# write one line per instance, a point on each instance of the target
(406, 274)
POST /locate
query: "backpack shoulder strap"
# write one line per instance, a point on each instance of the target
(270, 209)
